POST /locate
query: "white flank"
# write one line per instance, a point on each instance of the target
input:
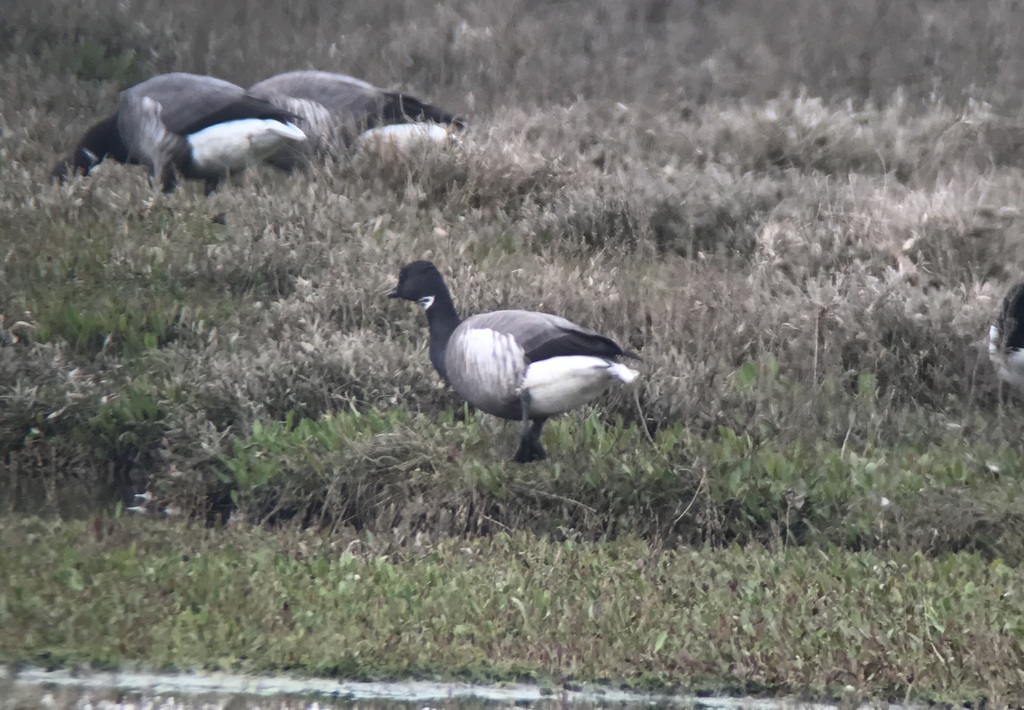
(1010, 367)
(559, 384)
(1009, 362)
(402, 136)
(236, 145)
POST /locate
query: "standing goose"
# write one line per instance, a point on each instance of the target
(336, 109)
(1006, 338)
(520, 365)
(200, 126)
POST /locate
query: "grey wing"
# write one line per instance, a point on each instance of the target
(190, 102)
(543, 335)
(337, 93)
(354, 103)
(333, 108)
(326, 137)
(146, 138)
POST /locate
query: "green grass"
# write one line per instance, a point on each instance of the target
(384, 471)
(743, 619)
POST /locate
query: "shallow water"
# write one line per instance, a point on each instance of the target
(33, 687)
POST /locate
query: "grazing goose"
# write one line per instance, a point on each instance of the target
(519, 365)
(1006, 338)
(200, 126)
(336, 109)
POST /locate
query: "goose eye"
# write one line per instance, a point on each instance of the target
(426, 302)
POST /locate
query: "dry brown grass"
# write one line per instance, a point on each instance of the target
(820, 195)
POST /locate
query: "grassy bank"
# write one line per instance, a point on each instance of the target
(807, 272)
(746, 620)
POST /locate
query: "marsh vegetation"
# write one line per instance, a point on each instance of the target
(801, 215)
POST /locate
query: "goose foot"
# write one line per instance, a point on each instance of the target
(163, 176)
(530, 449)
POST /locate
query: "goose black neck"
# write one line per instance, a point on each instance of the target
(103, 139)
(442, 319)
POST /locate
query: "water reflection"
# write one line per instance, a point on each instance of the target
(64, 690)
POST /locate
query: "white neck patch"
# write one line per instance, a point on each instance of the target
(426, 302)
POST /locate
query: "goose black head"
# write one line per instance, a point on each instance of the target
(420, 281)
(78, 164)
(99, 141)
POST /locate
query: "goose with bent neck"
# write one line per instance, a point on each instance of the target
(200, 126)
(339, 113)
(519, 365)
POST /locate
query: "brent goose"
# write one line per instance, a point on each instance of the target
(519, 365)
(200, 126)
(336, 109)
(1006, 338)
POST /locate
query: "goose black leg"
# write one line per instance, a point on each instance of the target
(162, 174)
(530, 448)
(212, 183)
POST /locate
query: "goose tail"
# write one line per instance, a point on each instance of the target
(621, 372)
(286, 130)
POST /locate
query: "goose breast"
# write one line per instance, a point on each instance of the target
(486, 365)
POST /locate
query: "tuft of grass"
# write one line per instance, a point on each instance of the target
(92, 61)
(383, 471)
